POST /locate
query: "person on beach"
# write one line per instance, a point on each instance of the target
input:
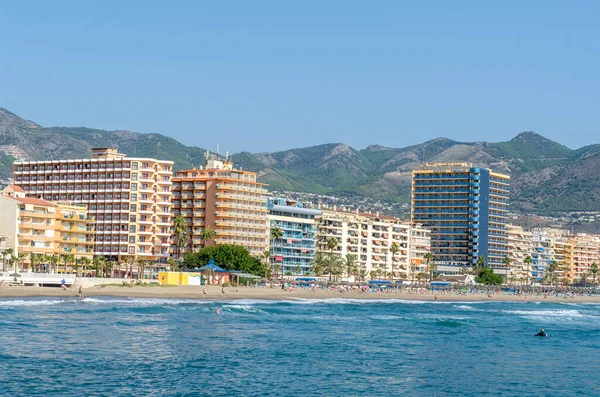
(222, 291)
(63, 284)
(80, 293)
(541, 334)
(203, 292)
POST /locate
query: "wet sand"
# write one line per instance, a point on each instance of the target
(231, 293)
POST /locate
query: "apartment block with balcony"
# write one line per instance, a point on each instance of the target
(520, 246)
(466, 209)
(369, 238)
(129, 198)
(295, 251)
(74, 230)
(224, 199)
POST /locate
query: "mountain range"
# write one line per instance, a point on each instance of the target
(546, 177)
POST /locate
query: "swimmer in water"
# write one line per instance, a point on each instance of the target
(542, 334)
(218, 310)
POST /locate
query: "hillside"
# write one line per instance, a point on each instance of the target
(547, 177)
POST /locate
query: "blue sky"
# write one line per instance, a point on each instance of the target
(271, 75)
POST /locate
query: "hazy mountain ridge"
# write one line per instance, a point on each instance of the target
(546, 176)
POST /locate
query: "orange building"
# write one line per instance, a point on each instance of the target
(227, 200)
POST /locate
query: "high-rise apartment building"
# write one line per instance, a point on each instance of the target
(224, 199)
(295, 250)
(520, 246)
(466, 209)
(129, 197)
(369, 238)
(36, 228)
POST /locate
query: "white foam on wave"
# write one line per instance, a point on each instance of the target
(549, 314)
(244, 308)
(351, 301)
(36, 302)
(463, 307)
(386, 317)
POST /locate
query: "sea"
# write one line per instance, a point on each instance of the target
(330, 347)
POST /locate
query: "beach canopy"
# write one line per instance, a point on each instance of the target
(379, 282)
(211, 266)
(242, 274)
(306, 279)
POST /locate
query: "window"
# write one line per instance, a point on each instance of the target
(134, 187)
(132, 229)
(133, 207)
(131, 218)
(134, 166)
(133, 196)
(132, 239)
(132, 248)
(134, 176)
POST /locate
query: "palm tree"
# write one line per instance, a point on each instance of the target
(266, 262)
(362, 274)
(181, 235)
(68, 259)
(99, 264)
(20, 259)
(394, 249)
(350, 267)
(7, 253)
(207, 235)
(506, 261)
(54, 259)
(430, 264)
(298, 269)
(480, 264)
(85, 262)
(332, 243)
(129, 263)
(594, 271)
(528, 261)
(173, 264)
(109, 266)
(276, 235)
(373, 274)
(319, 263)
(141, 265)
(550, 269)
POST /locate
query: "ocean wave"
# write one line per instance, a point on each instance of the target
(243, 308)
(351, 301)
(32, 302)
(549, 313)
(463, 307)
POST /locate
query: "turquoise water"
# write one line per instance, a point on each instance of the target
(156, 347)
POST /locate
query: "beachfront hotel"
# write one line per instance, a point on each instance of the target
(369, 238)
(224, 199)
(466, 209)
(129, 197)
(295, 250)
(36, 227)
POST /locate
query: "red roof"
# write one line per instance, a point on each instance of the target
(16, 189)
(34, 201)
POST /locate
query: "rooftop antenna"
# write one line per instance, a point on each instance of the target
(217, 151)
(227, 155)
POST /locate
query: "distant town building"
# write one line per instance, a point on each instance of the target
(129, 197)
(369, 237)
(224, 199)
(295, 250)
(466, 209)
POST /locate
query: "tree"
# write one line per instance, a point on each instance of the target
(141, 265)
(181, 235)
(227, 256)
(550, 269)
(129, 263)
(85, 262)
(480, 264)
(276, 235)
(207, 235)
(54, 260)
(528, 261)
(350, 264)
(99, 264)
(430, 265)
(266, 263)
(298, 269)
(319, 263)
(594, 271)
(487, 276)
(506, 261)
(394, 249)
(335, 265)
(8, 253)
(68, 260)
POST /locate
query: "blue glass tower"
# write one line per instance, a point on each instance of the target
(466, 209)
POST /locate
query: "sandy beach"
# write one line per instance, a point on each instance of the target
(231, 293)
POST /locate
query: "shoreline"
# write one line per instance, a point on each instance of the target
(269, 294)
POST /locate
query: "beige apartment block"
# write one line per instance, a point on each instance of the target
(369, 237)
(586, 251)
(36, 227)
(129, 198)
(520, 246)
(224, 199)
(74, 230)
